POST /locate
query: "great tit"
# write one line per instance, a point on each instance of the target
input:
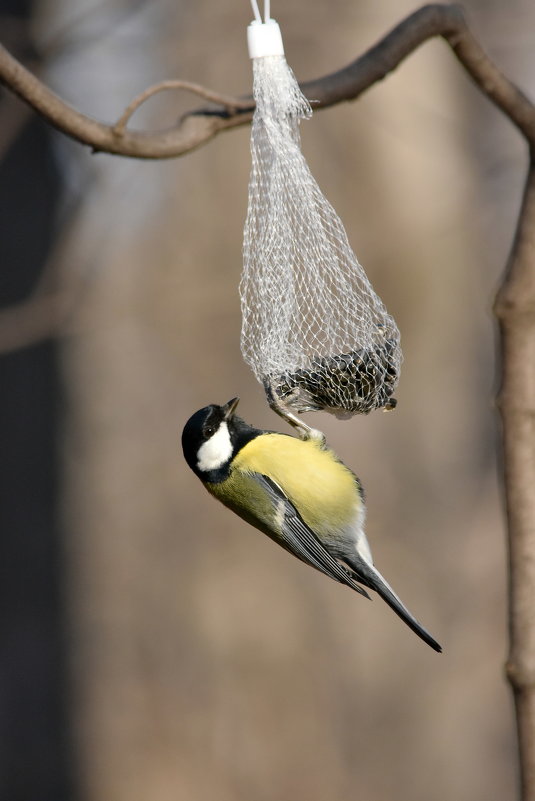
(296, 491)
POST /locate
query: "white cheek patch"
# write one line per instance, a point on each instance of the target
(216, 451)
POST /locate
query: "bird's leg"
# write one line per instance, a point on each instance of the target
(305, 431)
(282, 410)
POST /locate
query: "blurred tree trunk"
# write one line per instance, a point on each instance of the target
(35, 731)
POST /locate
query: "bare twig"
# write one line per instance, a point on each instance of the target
(200, 125)
(515, 309)
(191, 132)
(230, 103)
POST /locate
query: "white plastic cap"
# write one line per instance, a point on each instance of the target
(264, 39)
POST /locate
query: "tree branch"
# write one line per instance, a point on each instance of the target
(200, 125)
(515, 309)
(230, 103)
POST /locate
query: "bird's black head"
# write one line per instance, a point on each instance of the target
(212, 437)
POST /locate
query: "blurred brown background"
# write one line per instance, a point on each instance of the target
(154, 646)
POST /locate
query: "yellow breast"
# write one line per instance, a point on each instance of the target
(321, 488)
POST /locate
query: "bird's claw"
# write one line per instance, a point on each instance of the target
(304, 431)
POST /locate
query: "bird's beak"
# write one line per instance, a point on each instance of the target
(229, 408)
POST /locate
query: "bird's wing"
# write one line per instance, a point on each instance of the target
(299, 539)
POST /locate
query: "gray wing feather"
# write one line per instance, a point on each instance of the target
(298, 538)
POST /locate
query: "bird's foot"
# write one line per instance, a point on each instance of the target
(304, 431)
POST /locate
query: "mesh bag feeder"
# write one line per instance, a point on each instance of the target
(314, 332)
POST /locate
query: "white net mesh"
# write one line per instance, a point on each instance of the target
(314, 331)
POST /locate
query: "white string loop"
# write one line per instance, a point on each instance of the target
(256, 10)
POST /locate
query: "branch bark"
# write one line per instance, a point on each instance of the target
(200, 125)
(515, 309)
(515, 304)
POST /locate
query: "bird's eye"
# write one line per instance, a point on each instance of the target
(209, 431)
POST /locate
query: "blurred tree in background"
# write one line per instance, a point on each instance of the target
(153, 645)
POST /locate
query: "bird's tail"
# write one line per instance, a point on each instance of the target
(369, 576)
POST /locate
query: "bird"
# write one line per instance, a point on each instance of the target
(295, 490)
